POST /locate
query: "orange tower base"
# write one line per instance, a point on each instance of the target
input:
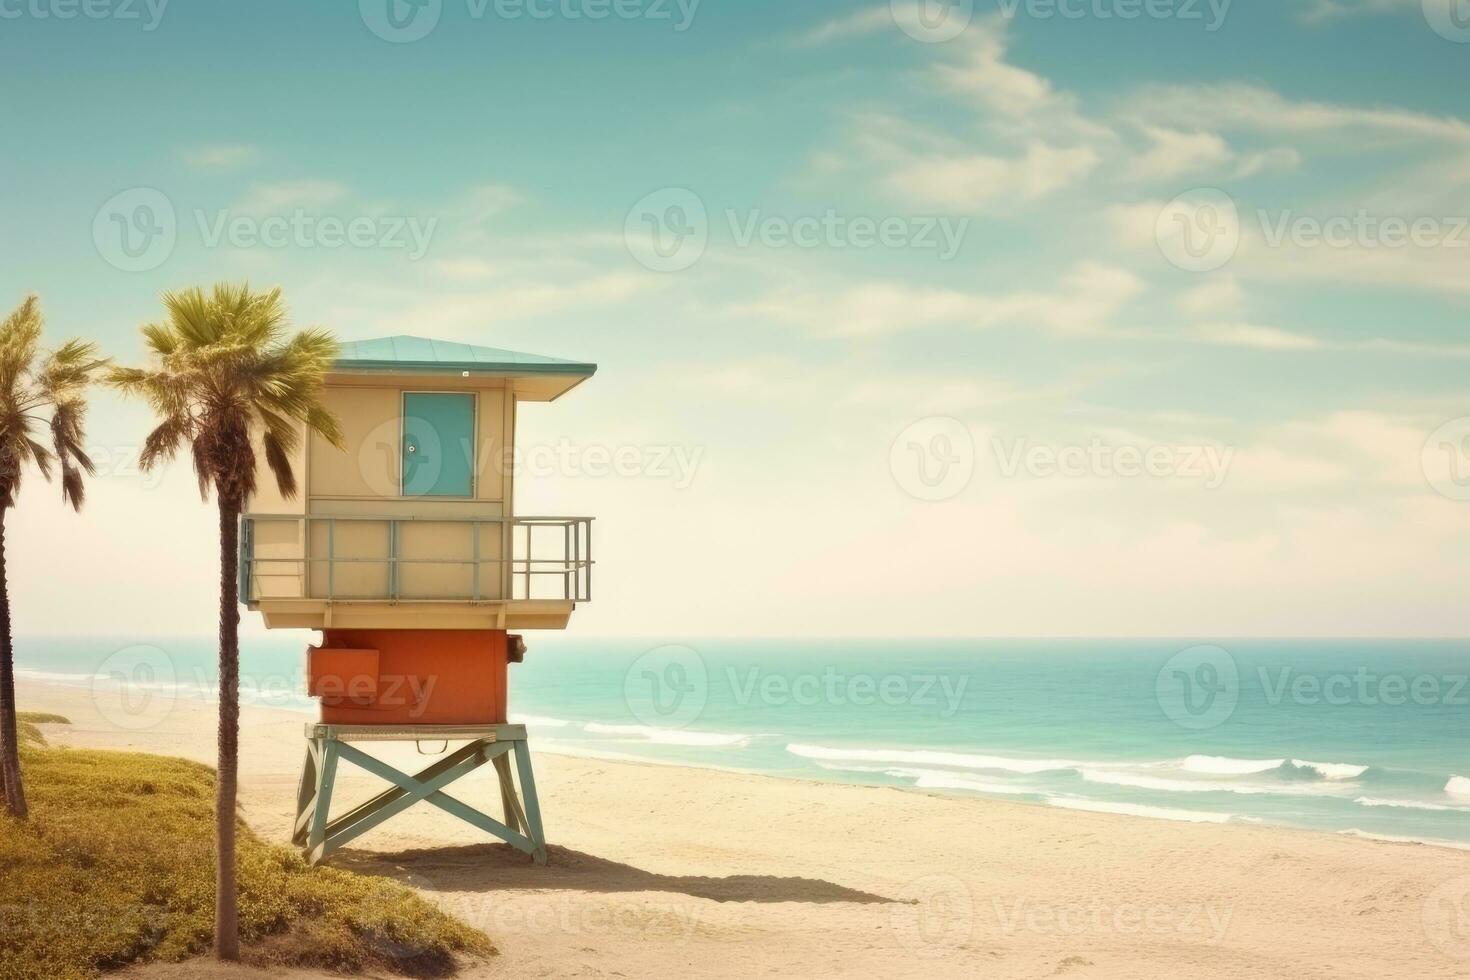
(410, 677)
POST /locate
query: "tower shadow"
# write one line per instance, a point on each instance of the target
(499, 867)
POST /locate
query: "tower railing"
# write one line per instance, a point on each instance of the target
(400, 558)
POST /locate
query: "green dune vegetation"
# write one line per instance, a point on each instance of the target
(116, 865)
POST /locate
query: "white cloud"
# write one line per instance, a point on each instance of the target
(1283, 158)
(1236, 105)
(222, 156)
(488, 200)
(465, 315)
(1320, 10)
(1173, 152)
(1089, 297)
(1269, 254)
(276, 197)
(979, 181)
(982, 74)
(1217, 296)
(1251, 335)
(857, 24)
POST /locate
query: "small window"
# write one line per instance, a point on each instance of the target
(438, 444)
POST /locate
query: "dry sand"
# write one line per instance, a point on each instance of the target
(658, 871)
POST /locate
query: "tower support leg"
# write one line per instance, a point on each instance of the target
(326, 744)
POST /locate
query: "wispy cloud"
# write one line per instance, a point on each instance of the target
(1321, 10)
(1239, 105)
(274, 197)
(222, 156)
(1085, 301)
(859, 23)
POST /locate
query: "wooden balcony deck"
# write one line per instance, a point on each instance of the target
(407, 571)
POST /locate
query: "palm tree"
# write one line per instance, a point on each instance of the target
(35, 390)
(223, 370)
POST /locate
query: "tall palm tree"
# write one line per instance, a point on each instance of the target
(224, 368)
(36, 389)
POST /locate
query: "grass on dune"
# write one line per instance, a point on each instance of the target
(116, 866)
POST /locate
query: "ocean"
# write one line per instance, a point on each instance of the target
(1365, 737)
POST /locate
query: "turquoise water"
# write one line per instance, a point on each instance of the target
(1349, 736)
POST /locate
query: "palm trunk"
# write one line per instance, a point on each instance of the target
(226, 909)
(15, 797)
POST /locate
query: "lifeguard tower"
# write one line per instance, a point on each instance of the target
(404, 549)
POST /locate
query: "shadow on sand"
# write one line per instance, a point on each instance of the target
(495, 867)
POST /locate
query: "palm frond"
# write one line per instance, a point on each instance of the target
(164, 442)
(279, 460)
(223, 366)
(20, 337)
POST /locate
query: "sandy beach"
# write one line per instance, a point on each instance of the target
(662, 871)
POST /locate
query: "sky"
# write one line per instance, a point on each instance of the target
(1003, 318)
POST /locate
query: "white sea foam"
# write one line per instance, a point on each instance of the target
(586, 750)
(930, 757)
(48, 675)
(1136, 810)
(669, 736)
(940, 779)
(1405, 804)
(537, 721)
(1332, 771)
(1161, 784)
(1394, 839)
(1458, 786)
(1218, 765)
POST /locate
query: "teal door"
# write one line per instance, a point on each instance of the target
(438, 445)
